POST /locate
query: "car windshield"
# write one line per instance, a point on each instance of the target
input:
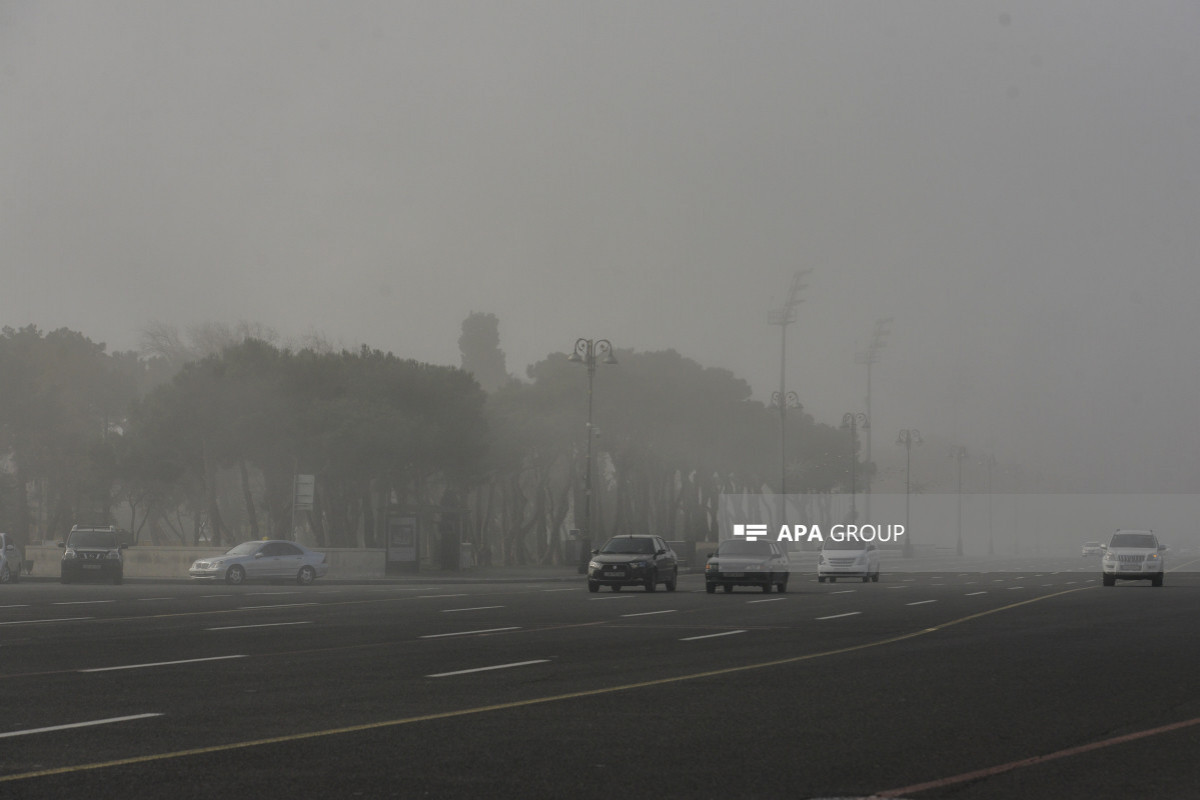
(244, 549)
(737, 547)
(629, 545)
(1133, 540)
(93, 539)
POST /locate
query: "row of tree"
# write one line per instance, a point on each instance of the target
(185, 447)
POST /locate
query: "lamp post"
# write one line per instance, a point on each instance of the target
(990, 463)
(852, 422)
(959, 453)
(908, 437)
(871, 356)
(783, 401)
(586, 352)
(783, 316)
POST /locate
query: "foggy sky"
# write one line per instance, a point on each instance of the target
(1015, 183)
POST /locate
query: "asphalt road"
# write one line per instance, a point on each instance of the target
(963, 684)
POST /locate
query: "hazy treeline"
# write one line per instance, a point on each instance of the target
(184, 447)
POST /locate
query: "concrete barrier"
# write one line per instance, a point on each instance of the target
(148, 561)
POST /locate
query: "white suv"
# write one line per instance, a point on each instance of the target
(1133, 556)
(10, 560)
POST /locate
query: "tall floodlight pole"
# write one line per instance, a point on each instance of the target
(959, 453)
(990, 463)
(587, 351)
(871, 356)
(783, 316)
(852, 422)
(908, 437)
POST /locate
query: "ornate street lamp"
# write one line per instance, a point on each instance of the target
(588, 352)
(852, 422)
(908, 437)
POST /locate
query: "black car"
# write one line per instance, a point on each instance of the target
(93, 553)
(633, 561)
(739, 562)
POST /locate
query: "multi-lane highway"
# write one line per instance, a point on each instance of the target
(954, 683)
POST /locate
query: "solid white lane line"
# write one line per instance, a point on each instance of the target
(837, 616)
(844, 591)
(279, 605)
(263, 625)
(468, 633)
(156, 598)
(475, 608)
(435, 596)
(77, 725)
(768, 600)
(159, 664)
(920, 602)
(614, 597)
(972, 594)
(710, 636)
(32, 621)
(648, 613)
(267, 594)
(20, 605)
(576, 589)
(485, 669)
(1015, 587)
(82, 602)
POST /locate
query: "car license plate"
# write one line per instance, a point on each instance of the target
(616, 573)
(91, 566)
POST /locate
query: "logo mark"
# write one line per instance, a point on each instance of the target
(750, 532)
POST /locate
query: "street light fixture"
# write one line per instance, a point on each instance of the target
(908, 437)
(852, 422)
(587, 352)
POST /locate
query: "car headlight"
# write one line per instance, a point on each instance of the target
(113, 554)
(1153, 557)
(68, 555)
(821, 558)
(712, 566)
(639, 564)
(1110, 556)
(591, 565)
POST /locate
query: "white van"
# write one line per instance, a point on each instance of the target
(10, 560)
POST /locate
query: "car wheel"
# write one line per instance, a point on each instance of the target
(593, 586)
(820, 579)
(711, 588)
(5, 574)
(616, 587)
(832, 579)
(875, 577)
(671, 583)
(728, 587)
(117, 579)
(236, 575)
(1157, 580)
(767, 586)
(782, 586)
(1108, 580)
(306, 575)
(651, 581)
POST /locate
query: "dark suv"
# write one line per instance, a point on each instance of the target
(93, 553)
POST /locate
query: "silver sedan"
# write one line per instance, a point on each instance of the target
(271, 559)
